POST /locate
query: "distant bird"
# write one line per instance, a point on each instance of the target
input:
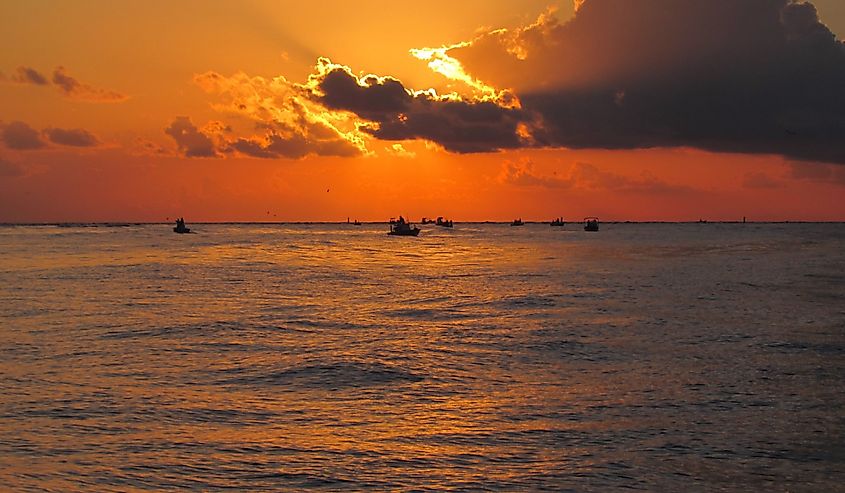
(327, 190)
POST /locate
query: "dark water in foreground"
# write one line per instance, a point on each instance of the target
(325, 357)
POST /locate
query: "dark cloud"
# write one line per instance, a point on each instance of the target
(294, 146)
(20, 136)
(373, 97)
(398, 114)
(752, 76)
(74, 89)
(189, 139)
(28, 75)
(76, 137)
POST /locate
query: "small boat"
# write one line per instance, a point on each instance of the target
(180, 227)
(557, 222)
(401, 227)
(591, 224)
(517, 222)
(426, 220)
(356, 223)
(447, 223)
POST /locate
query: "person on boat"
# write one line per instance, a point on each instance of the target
(401, 220)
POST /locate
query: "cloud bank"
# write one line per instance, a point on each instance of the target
(751, 76)
(756, 76)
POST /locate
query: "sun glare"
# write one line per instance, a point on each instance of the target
(442, 63)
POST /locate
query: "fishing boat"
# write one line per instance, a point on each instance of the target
(591, 224)
(400, 227)
(446, 223)
(557, 222)
(517, 222)
(180, 227)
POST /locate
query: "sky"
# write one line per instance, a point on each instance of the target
(669, 110)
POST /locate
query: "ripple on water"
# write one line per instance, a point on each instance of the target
(320, 375)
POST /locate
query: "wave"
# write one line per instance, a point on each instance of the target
(342, 374)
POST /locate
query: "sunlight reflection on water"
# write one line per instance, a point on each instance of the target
(291, 357)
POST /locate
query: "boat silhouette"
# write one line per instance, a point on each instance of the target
(400, 227)
(180, 226)
(591, 224)
(517, 222)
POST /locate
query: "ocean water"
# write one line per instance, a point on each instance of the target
(656, 357)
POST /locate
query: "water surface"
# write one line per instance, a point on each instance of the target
(661, 357)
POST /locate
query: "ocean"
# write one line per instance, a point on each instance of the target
(329, 357)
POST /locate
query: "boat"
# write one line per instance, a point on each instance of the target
(400, 227)
(446, 223)
(517, 222)
(591, 224)
(557, 222)
(180, 227)
(426, 220)
(356, 223)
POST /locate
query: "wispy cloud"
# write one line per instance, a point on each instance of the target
(72, 88)
(585, 176)
(67, 85)
(28, 75)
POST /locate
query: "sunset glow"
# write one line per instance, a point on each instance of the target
(250, 112)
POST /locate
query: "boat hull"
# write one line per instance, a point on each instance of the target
(408, 232)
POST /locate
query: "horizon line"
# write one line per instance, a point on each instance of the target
(610, 221)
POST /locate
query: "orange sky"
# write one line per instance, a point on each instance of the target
(91, 96)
